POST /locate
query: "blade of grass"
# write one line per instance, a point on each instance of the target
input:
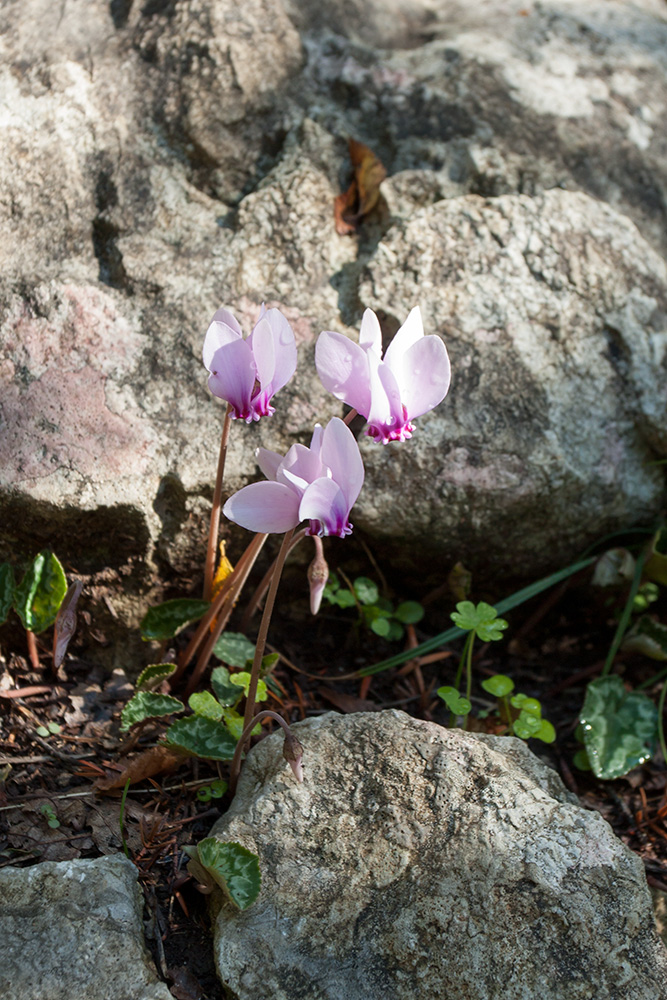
(513, 601)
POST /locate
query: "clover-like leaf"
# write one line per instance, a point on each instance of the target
(546, 732)
(234, 649)
(202, 737)
(233, 867)
(529, 705)
(153, 675)
(499, 685)
(526, 725)
(7, 585)
(409, 612)
(234, 722)
(165, 620)
(455, 702)
(203, 703)
(620, 728)
(366, 590)
(38, 597)
(148, 705)
(480, 619)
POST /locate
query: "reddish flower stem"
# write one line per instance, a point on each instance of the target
(350, 417)
(257, 597)
(259, 653)
(33, 653)
(214, 528)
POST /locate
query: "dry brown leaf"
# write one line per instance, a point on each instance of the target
(362, 195)
(156, 760)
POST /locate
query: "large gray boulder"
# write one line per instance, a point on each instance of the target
(73, 930)
(417, 862)
(161, 159)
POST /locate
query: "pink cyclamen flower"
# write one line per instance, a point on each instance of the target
(319, 484)
(247, 373)
(390, 391)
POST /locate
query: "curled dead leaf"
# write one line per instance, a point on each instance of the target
(361, 197)
(156, 760)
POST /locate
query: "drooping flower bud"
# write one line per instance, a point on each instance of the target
(318, 574)
(293, 754)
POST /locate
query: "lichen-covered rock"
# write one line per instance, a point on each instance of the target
(73, 930)
(418, 862)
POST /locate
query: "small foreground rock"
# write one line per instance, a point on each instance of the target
(418, 862)
(72, 930)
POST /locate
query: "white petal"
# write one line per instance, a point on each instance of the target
(424, 376)
(268, 461)
(340, 453)
(410, 333)
(370, 334)
(343, 369)
(218, 335)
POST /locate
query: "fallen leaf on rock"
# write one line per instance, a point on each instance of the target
(362, 195)
(156, 760)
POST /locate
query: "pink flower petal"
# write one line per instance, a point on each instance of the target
(340, 453)
(233, 377)
(224, 316)
(343, 369)
(284, 345)
(217, 335)
(370, 334)
(268, 461)
(299, 467)
(410, 333)
(264, 507)
(324, 505)
(424, 376)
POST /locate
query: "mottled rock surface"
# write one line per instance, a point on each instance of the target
(418, 862)
(73, 930)
(160, 159)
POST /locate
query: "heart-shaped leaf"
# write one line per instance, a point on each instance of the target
(153, 675)
(38, 597)
(148, 705)
(165, 620)
(234, 649)
(620, 728)
(202, 737)
(233, 867)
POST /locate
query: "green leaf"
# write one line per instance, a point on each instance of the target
(165, 620)
(234, 722)
(546, 732)
(529, 705)
(226, 692)
(242, 680)
(409, 612)
(455, 702)
(649, 637)
(203, 703)
(148, 705)
(656, 564)
(202, 738)
(268, 663)
(344, 599)
(7, 585)
(234, 649)
(234, 868)
(581, 761)
(526, 725)
(396, 631)
(620, 728)
(380, 626)
(40, 593)
(366, 590)
(481, 619)
(499, 685)
(153, 675)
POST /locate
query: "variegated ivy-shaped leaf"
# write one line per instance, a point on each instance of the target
(202, 737)
(153, 675)
(233, 867)
(40, 593)
(148, 705)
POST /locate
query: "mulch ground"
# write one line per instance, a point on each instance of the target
(52, 808)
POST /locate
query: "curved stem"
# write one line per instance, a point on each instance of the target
(214, 527)
(259, 652)
(349, 417)
(266, 713)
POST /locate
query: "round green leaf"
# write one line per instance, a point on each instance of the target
(381, 627)
(165, 620)
(455, 702)
(499, 685)
(148, 705)
(242, 680)
(203, 703)
(409, 612)
(234, 868)
(396, 631)
(526, 725)
(344, 599)
(202, 737)
(234, 649)
(7, 586)
(546, 732)
(581, 761)
(40, 593)
(226, 692)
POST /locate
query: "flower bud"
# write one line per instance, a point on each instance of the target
(318, 574)
(293, 753)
